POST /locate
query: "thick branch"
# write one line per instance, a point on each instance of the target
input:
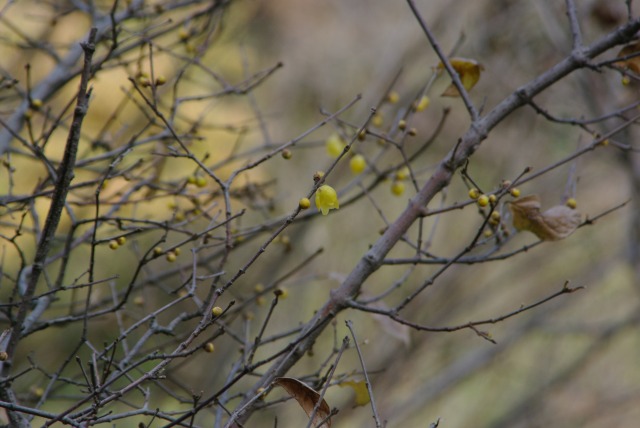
(65, 175)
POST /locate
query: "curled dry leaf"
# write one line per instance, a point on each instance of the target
(307, 399)
(552, 225)
(469, 72)
(631, 53)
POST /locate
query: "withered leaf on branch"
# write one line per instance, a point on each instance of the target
(554, 224)
(469, 72)
(307, 399)
(632, 54)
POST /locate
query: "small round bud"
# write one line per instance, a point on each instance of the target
(402, 125)
(317, 176)
(493, 199)
(183, 35)
(377, 120)
(412, 132)
(144, 81)
(216, 311)
(113, 244)
(281, 292)
(487, 233)
(179, 217)
(209, 347)
(402, 173)
(171, 257)
(422, 104)
(334, 145)
(177, 251)
(4, 356)
(304, 203)
(495, 216)
(258, 288)
(362, 135)
(604, 143)
(191, 179)
(483, 200)
(121, 240)
(397, 188)
(393, 97)
(286, 154)
(36, 103)
(626, 80)
(138, 301)
(515, 192)
(260, 301)
(201, 181)
(572, 203)
(357, 164)
(161, 80)
(157, 251)
(474, 193)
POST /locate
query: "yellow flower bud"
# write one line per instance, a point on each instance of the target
(402, 173)
(377, 120)
(304, 203)
(326, 199)
(474, 194)
(357, 164)
(483, 200)
(397, 188)
(335, 145)
(422, 104)
(216, 311)
(393, 97)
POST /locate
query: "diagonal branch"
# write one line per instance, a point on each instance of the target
(65, 175)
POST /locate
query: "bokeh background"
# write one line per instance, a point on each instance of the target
(572, 362)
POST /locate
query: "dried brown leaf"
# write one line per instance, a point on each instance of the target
(632, 63)
(552, 225)
(307, 399)
(469, 72)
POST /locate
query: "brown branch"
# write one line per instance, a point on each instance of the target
(65, 175)
(466, 146)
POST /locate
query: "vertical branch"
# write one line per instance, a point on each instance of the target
(65, 174)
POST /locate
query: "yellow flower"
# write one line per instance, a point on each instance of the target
(326, 199)
(335, 145)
